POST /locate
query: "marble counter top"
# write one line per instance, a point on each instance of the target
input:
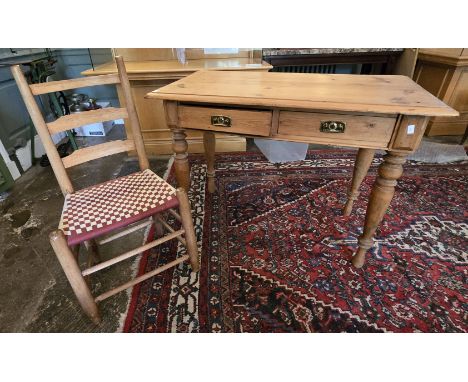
(325, 51)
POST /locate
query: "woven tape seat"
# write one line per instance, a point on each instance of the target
(102, 208)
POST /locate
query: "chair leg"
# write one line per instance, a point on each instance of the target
(158, 228)
(72, 271)
(187, 224)
(93, 252)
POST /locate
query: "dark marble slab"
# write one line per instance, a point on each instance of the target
(325, 51)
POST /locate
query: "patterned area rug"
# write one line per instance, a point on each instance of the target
(276, 252)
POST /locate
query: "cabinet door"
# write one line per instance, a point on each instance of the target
(459, 99)
(450, 84)
(152, 117)
(434, 78)
(150, 112)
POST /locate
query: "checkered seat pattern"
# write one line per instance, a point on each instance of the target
(99, 209)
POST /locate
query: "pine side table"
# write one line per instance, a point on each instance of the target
(368, 112)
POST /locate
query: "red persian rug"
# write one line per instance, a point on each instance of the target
(276, 252)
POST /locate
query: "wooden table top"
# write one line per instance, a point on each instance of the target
(174, 66)
(382, 94)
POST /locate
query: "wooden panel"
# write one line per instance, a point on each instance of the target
(242, 121)
(409, 133)
(97, 151)
(331, 92)
(443, 51)
(224, 143)
(462, 118)
(366, 128)
(165, 54)
(175, 70)
(152, 119)
(71, 121)
(150, 112)
(459, 99)
(447, 128)
(433, 78)
(143, 54)
(444, 72)
(55, 86)
(167, 134)
(199, 53)
(447, 56)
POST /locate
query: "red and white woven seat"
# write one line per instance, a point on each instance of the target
(102, 208)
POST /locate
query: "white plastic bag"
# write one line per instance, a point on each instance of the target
(279, 152)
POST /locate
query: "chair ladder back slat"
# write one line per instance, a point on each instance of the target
(42, 130)
(132, 114)
(75, 83)
(72, 121)
(68, 122)
(98, 151)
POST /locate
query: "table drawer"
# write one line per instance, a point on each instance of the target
(337, 128)
(239, 121)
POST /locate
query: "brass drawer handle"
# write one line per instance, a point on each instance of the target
(332, 126)
(221, 120)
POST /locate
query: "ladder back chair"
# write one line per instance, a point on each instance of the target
(125, 204)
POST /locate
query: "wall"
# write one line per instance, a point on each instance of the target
(13, 115)
(71, 62)
(14, 119)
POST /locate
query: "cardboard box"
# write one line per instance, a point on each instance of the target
(99, 129)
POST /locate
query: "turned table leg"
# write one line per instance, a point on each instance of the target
(382, 193)
(361, 167)
(209, 142)
(182, 170)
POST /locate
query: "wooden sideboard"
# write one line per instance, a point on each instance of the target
(444, 73)
(150, 69)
